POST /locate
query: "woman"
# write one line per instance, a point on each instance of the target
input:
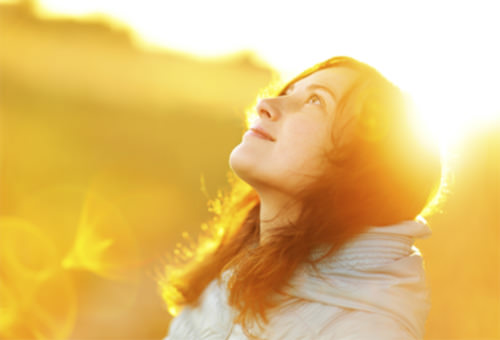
(315, 240)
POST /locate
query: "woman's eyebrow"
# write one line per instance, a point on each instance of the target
(289, 88)
(325, 88)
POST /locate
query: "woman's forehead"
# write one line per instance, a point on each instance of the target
(338, 79)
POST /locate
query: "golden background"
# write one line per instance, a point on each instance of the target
(108, 154)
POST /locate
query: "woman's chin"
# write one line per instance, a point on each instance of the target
(240, 163)
(244, 165)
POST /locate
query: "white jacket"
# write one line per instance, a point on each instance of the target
(373, 288)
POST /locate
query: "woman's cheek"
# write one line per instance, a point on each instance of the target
(307, 134)
(301, 127)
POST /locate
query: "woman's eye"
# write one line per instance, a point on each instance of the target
(314, 99)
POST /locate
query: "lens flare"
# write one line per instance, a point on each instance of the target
(104, 243)
(37, 298)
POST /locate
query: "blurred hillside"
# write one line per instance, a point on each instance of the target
(102, 146)
(84, 113)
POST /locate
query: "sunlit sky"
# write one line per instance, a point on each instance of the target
(444, 53)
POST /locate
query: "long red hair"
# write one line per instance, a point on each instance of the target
(381, 173)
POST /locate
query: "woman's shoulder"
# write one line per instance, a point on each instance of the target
(375, 284)
(211, 318)
(363, 325)
(313, 320)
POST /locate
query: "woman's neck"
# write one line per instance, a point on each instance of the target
(275, 211)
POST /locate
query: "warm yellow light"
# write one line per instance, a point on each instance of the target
(104, 243)
(29, 271)
(449, 68)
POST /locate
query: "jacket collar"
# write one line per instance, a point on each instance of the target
(378, 271)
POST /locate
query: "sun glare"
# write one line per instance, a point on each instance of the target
(111, 110)
(451, 72)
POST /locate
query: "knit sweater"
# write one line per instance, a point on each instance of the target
(372, 288)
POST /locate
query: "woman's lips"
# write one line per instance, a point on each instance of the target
(260, 133)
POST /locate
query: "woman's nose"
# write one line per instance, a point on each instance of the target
(266, 109)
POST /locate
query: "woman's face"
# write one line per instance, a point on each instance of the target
(285, 148)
